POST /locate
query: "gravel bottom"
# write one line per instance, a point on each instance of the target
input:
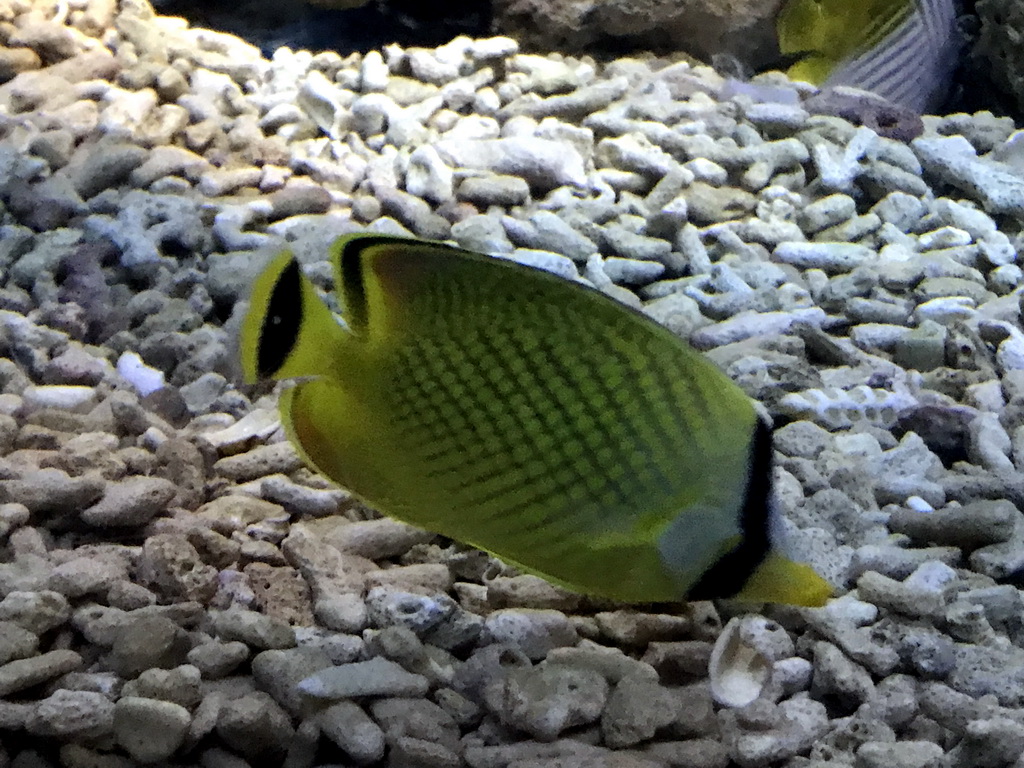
(178, 590)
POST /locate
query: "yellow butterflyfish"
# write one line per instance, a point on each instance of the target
(904, 50)
(529, 416)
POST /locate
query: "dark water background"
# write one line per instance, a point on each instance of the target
(296, 24)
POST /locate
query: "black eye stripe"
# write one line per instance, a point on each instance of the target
(281, 325)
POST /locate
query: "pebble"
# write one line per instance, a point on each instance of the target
(278, 458)
(612, 663)
(632, 628)
(295, 199)
(424, 752)
(837, 676)
(38, 612)
(81, 576)
(547, 231)
(994, 671)
(533, 754)
(637, 707)
(131, 502)
(224, 181)
(373, 72)
(146, 642)
(420, 719)
(20, 674)
(832, 258)
(529, 591)
(387, 606)
(630, 153)
(827, 212)
(493, 189)
(172, 565)
(707, 171)
(953, 160)
(16, 642)
(542, 163)
(414, 213)
(946, 310)
(255, 725)
(432, 577)
(545, 701)
(800, 723)
(427, 175)
(351, 729)
(534, 632)
(236, 512)
(149, 730)
(584, 100)
(52, 491)
(254, 629)
(973, 525)
(72, 716)
(342, 648)
(302, 499)
(169, 161)
(217, 659)
(709, 204)
(79, 399)
(752, 324)
(376, 677)
(463, 711)
(235, 438)
(899, 597)
(549, 262)
(484, 665)
(281, 593)
(635, 247)
(180, 685)
(377, 539)
(692, 752)
(114, 164)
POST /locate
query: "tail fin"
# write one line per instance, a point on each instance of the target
(781, 580)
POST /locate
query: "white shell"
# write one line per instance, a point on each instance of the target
(738, 670)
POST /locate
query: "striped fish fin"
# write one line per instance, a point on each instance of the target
(881, 25)
(912, 63)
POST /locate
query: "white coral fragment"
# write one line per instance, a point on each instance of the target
(843, 408)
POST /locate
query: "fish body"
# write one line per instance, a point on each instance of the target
(904, 50)
(529, 416)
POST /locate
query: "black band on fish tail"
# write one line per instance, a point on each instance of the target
(281, 324)
(732, 571)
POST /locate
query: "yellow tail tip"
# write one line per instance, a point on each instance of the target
(781, 580)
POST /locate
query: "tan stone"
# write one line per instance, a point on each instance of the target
(281, 593)
(16, 60)
(743, 28)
